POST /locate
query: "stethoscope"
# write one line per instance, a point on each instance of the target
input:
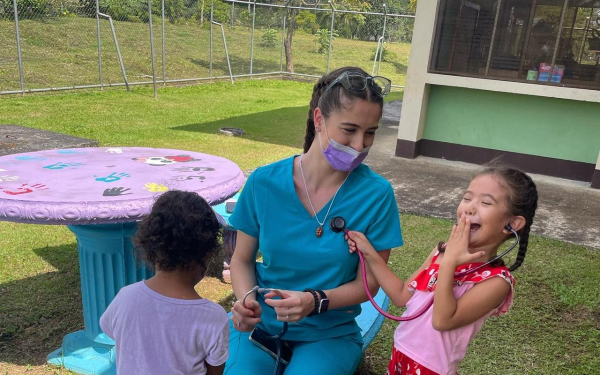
(338, 224)
(277, 337)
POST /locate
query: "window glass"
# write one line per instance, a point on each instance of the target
(537, 41)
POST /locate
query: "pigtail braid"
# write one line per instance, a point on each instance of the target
(522, 249)
(314, 103)
(528, 206)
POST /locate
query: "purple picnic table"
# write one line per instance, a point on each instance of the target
(100, 194)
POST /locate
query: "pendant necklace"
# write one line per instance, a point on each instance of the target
(319, 231)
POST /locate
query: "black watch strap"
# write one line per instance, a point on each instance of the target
(316, 297)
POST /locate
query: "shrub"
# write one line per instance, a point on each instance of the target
(28, 9)
(269, 38)
(387, 55)
(307, 22)
(322, 36)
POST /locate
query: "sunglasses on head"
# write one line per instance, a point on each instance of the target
(355, 81)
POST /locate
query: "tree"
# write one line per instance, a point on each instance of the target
(289, 36)
(291, 25)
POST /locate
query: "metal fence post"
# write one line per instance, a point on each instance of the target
(382, 38)
(99, 45)
(114, 34)
(282, 40)
(384, 20)
(252, 36)
(210, 64)
(18, 36)
(226, 52)
(164, 57)
(330, 34)
(152, 46)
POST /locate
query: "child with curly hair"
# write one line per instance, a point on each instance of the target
(161, 325)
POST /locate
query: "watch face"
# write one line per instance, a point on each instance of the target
(323, 305)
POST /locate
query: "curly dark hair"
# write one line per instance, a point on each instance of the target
(180, 231)
(333, 99)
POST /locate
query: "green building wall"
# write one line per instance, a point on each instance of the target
(548, 127)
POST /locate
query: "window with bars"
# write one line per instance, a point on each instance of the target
(551, 42)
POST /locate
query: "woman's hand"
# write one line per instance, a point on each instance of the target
(457, 247)
(292, 306)
(359, 242)
(245, 318)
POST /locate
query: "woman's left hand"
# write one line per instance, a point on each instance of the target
(292, 306)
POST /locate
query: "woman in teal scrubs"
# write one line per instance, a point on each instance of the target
(285, 209)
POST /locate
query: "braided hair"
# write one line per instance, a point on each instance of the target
(334, 99)
(521, 200)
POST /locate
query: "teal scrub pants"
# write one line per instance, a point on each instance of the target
(335, 356)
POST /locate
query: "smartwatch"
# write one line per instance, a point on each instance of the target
(323, 302)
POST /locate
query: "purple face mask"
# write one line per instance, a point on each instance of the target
(342, 158)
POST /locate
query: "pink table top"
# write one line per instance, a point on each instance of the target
(106, 184)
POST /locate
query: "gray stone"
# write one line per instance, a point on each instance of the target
(15, 139)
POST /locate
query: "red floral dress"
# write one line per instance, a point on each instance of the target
(426, 280)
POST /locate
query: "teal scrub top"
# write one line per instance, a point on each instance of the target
(294, 258)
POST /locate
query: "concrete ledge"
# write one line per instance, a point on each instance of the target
(15, 139)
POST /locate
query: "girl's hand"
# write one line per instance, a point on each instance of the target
(293, 306)
(457, 247)
(359, 242)
(245, 318)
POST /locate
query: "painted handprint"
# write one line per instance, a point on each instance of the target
(114, 151)
(26, 188)
(116, 191)
(184, 178)
(112, 177)
(30, 158)
(193, 169)
(68, 152)
(61, 165)
(9, 178)
(153, 187)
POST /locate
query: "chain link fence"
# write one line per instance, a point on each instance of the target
(66, 44)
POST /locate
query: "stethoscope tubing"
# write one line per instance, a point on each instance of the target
(430, 302)
(363, 271)
(277, 338)
(260, 290)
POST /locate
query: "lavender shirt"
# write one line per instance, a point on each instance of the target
(155, 334)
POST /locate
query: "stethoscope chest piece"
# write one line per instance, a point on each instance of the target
(337, 224)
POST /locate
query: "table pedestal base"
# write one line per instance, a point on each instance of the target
(106, 263)
(84, 356)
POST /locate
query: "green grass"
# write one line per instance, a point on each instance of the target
(554, 326)
(59, 52)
